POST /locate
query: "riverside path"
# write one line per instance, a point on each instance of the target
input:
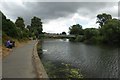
(19, 63)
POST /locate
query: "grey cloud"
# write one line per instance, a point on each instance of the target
(53, 10)
(69, 0)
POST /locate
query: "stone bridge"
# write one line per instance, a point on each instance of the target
(59, 36)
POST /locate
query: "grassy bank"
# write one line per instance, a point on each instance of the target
(61, 70)
(39, 47)
(18, 43)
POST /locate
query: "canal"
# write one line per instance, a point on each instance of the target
(92, 61)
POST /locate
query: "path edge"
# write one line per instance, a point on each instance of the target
(41, 72)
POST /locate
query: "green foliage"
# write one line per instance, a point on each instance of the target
(111, 31)
(20, 23)
(103, 18)
(64, 33)
(79, 38)
(39, 48)
(108, 33)
(5, 37)
(36, 26)
(62, 70)
(76, 30)
(90, 35)
(29, 27)
(72, 39)
(72, 72)
(15, 30)
(9, 28)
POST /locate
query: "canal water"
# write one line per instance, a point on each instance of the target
(93, 61)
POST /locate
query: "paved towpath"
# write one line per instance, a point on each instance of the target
(19, 63)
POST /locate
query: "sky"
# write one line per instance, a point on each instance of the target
(59, 16)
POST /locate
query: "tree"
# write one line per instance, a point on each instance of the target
(90, 33)
(23, 32)
(9, 28)
(29, 27)
(64, 33)
(76, 30)
(111, 32)
(103, 18)
(36, 26)
(15, 30)
(20, 23)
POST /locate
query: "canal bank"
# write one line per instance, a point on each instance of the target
(41, 73)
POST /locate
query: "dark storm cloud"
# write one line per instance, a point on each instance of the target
(119, 10)
(53, 10)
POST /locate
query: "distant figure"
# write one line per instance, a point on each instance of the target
(9, 44)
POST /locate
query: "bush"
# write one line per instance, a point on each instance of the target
(79, 39)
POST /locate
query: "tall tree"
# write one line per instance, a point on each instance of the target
(36, 26)
(103, 18)
(20, 23)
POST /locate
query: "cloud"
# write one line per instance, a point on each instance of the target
(52, 10)
(59, 16)
(55, 27)
(60, 0)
